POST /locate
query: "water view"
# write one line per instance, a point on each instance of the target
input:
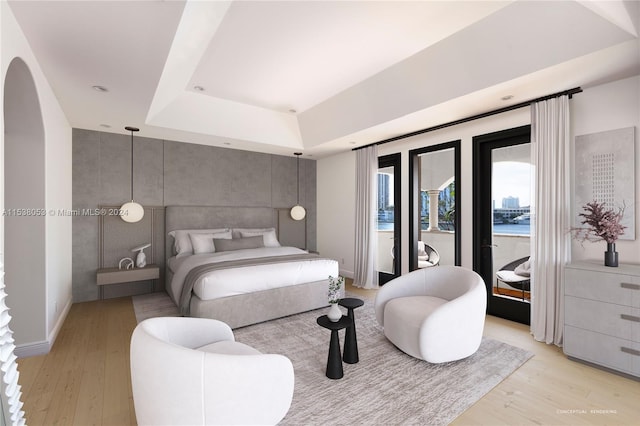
(498, 228)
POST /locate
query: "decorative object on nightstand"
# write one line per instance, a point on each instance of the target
(141, 258)
(125, 263)
(335, 284)
(131, 211)
(602, 224)
(298, 212)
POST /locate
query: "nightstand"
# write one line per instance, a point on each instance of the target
(108, 276)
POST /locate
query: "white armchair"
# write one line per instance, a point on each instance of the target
(191, 371)
(434, 314)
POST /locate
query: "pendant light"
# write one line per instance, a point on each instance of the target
(298, 212)
(131, 212)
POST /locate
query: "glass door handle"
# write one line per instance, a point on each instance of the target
(488, 245)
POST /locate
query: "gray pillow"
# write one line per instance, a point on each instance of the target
(239, 243)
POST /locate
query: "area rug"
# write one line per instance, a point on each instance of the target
(152, 305)
(387, 387)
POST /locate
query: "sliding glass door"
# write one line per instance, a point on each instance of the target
(388, 218)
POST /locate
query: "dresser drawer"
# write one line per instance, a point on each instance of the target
(612, 352)
(605, 287)
(606, 318)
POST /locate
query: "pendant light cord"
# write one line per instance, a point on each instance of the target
(132, 129)
(132, 165)
(298, 154)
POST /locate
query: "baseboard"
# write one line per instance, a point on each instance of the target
(61, 319)
(346, 274)
(32, 349)
(44, 347)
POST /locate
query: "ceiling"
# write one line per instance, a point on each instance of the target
(319, 77)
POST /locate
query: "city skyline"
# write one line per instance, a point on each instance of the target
(511, 179)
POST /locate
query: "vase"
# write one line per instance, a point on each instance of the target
(611, 255)
(334, 313)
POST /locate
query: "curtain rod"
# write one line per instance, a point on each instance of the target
(569, 92)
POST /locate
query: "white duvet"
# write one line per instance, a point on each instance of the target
(247, 279)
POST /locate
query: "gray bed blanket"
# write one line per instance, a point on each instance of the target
(197, 272)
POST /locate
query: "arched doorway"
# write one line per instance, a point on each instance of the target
(24, 202)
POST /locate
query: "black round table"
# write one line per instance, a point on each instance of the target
(350, 355)
(334, 360)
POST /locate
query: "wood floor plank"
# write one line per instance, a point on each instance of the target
(28, 369)
(550, 389)
(67, 390)
(37, 402)
(117, 406)
(89, 405)
(89, 408)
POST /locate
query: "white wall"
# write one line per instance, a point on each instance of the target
(336, 209)
(608, 107)
(599, 108)
(58, 185)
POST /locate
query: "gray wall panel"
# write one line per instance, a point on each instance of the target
(170, 173)
(204, 175)
(85, 258)
(114, 169)
(310, 201)
(148, 175)
(283, 176)
(86, 163)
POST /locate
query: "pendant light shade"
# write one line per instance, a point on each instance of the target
(131, 211)
(298, 212)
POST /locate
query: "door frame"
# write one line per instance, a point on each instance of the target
(395, 161)
(502, 307)
(414, 199)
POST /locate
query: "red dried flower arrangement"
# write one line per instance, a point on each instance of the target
(602, 224)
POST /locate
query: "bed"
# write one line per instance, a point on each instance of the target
(226, 263)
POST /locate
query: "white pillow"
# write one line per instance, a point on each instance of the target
(421, 250)
(269, 236)
(523, 269)
(237, 232)
(182, 243)
(203, 243)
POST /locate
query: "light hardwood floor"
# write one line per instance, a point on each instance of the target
(84, 380)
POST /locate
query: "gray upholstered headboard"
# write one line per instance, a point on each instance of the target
(198, 217)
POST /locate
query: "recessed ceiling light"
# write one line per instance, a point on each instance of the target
(507, 97)
(198, 88)
(106, 126)
(100, 88)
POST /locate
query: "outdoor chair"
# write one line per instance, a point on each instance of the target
(515, 274)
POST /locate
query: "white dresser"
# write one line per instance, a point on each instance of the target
(602, 315)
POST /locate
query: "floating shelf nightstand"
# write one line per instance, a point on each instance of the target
(108, 276)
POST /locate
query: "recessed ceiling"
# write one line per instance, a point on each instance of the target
(316, 76)
(309, 51)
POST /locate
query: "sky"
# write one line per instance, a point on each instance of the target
(511, 178)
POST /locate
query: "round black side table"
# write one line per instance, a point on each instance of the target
(350, 355)
(334, 360)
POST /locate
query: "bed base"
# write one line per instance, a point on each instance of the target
(251, 308)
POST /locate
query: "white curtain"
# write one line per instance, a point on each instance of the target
(366, 273)
(550, 238)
